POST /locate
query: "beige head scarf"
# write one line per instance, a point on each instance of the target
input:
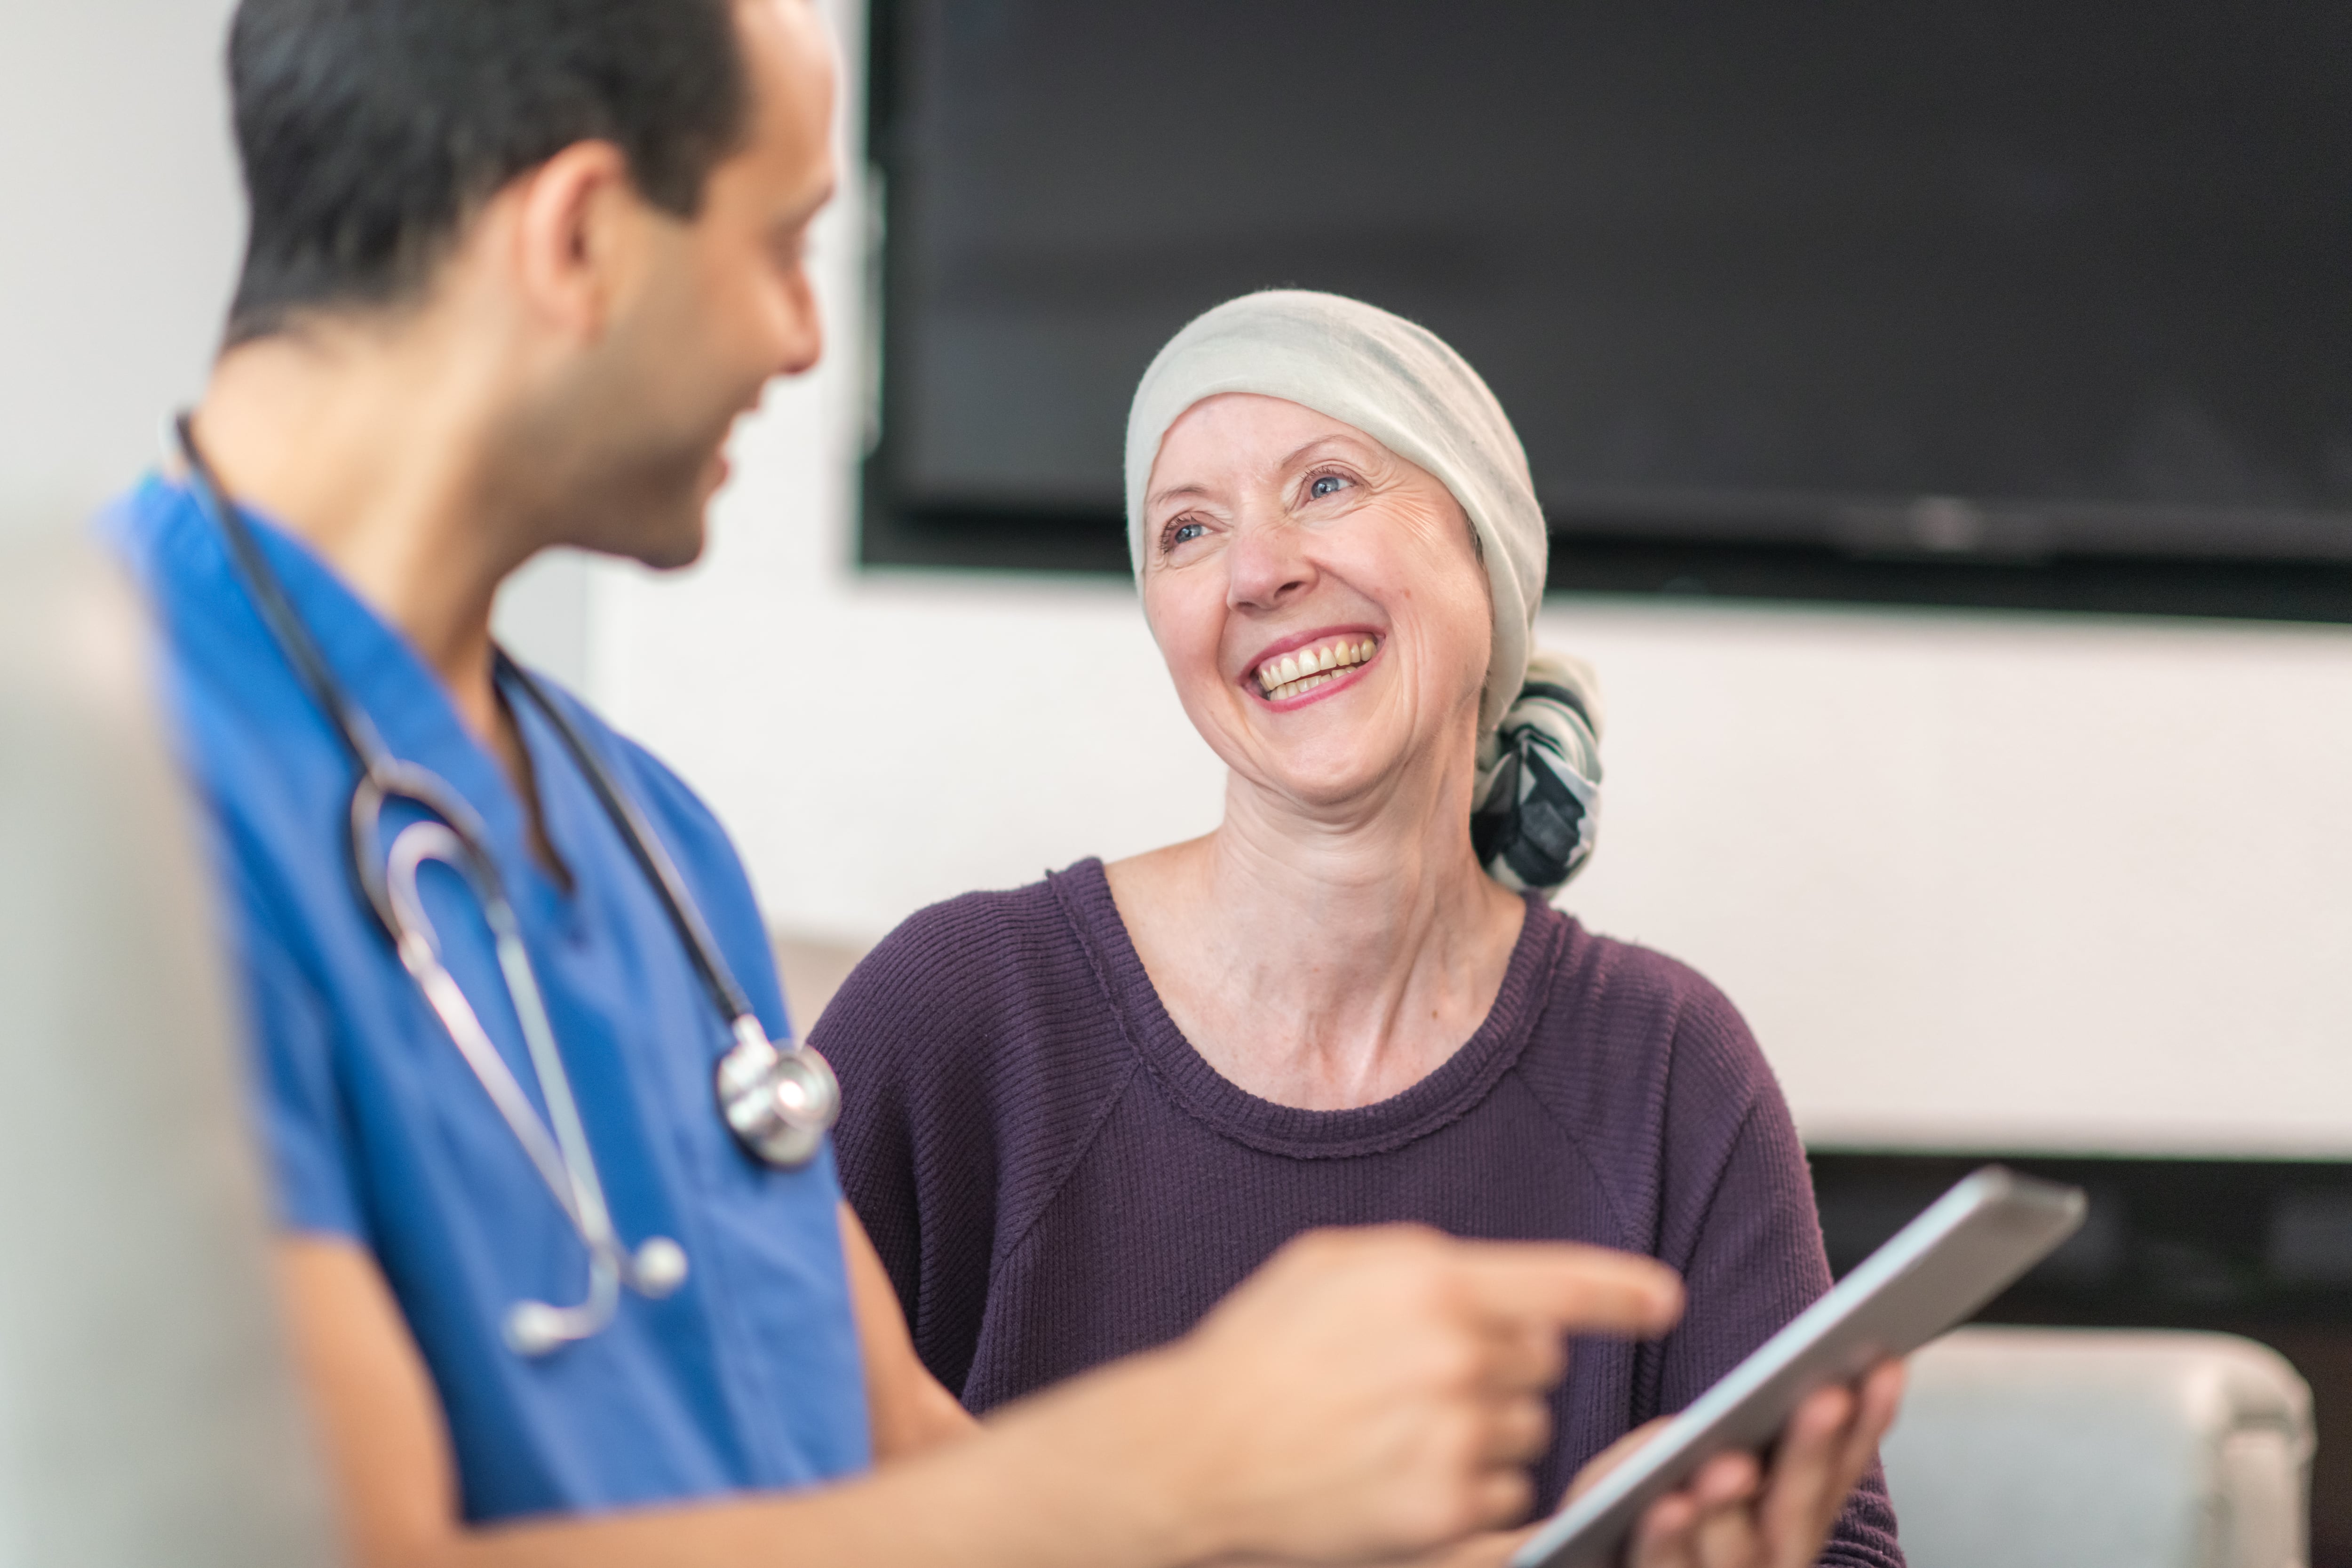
(1402, 385)
(1398, 384)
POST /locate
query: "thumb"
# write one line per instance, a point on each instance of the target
(1609, 1458)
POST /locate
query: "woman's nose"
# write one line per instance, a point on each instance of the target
(1266, 566)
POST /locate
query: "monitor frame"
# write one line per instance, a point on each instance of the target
(1947, 554)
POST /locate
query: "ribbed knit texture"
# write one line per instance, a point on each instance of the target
(1054, 1178)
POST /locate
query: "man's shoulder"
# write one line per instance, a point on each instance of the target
(653, 786)
(134, 521)
(692, 834)
(152, 531)
(246, 736)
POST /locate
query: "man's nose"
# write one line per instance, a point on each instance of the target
(802, 339)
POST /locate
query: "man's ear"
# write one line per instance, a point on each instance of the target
(577, 233)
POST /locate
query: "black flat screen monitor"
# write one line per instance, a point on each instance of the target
(2003, 282)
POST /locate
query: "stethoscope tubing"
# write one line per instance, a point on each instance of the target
(572, 1182)
(777, 1101)
(559, 1152)
(645, 848)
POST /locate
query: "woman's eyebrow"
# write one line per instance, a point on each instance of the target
(1296, 456)
(1171, 492)
(1301, 454)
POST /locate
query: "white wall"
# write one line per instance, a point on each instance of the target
(1977, 880)
(124, 224)
(1998, 879)
(121, 240)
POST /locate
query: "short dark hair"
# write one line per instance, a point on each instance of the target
(371, 131)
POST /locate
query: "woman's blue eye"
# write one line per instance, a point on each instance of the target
(1323, 485)
(1185, 532)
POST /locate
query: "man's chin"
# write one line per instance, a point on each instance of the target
(668, 560)
(664, 534)
(660, 521)
(677, 546)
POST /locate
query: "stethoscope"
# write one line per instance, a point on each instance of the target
(778, 1098)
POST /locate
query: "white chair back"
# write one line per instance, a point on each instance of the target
(2102, 1449)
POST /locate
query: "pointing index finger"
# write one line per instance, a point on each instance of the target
(1563, 1286)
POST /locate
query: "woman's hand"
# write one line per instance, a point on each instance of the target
(1733, 1514)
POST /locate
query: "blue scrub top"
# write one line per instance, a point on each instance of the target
(376, 1130)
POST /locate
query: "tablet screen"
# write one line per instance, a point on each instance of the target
(1964, 1250)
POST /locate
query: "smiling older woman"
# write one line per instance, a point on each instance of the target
(1081, 1111)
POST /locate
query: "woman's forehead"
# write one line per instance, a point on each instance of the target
(1241, 432)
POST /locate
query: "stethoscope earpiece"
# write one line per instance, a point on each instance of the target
(658, 1269)
(534, 1329)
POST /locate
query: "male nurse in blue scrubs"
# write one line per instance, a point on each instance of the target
(515, 268)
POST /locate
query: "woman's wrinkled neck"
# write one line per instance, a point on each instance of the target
(1396, 858)
(1328, 954)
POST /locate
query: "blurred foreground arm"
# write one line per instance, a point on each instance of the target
(907, 1408)
(1365, 1394)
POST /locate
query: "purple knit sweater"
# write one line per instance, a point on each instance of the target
(1054, 1178)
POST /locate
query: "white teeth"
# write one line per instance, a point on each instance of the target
(1295, 674)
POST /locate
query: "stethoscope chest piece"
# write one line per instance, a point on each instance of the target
(778, 1101)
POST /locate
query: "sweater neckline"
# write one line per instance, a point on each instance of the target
(1442, 1097)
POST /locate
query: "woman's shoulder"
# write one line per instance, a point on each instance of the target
(1002, 944)
(1629, 1036)
(989, 980)
(1623, 987)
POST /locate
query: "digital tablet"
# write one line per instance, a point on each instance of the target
(1963, 1251)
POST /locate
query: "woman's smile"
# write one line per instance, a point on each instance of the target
(1298, 670)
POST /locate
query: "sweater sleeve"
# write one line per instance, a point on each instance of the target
(1743, 1229)
(914, 1146)
(975, 1055)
